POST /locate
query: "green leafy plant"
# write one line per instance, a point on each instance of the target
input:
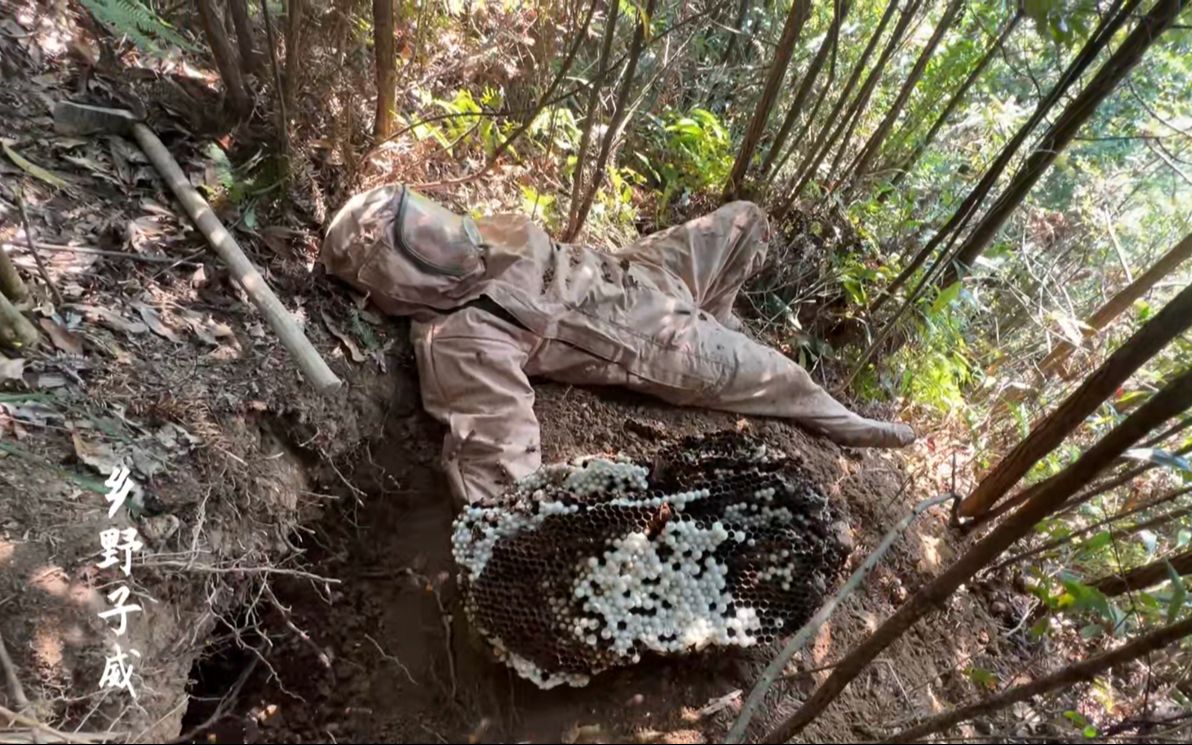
(614, 209)
(141, 25)
(539, 205)
(467, 123)
(554, 126)
(686, 153)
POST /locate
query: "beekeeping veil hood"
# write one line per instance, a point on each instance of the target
(405, 251)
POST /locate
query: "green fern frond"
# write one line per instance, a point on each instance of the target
(131, 18)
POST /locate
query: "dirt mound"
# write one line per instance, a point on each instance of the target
(389, 657)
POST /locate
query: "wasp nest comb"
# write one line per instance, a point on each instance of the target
(584, 567)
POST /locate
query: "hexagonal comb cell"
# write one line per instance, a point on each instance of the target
(718, 541)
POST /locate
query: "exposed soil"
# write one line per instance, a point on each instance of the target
(155, 359)
(403, 666)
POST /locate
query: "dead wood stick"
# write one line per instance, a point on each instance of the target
(14, 682)
(16, 332)
(246, 275)
(57, 247)
(41, 267)
(33, 724)
(82, 119)
(1085, 669)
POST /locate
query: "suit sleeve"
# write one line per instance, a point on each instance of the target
(471, 366)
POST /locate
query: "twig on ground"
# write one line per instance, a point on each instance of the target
(14, 682)
(385, 655)
(41, 267)
(80, 737)
(324, 660)
(57, 247)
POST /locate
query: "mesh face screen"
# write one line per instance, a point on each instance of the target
(580, 568)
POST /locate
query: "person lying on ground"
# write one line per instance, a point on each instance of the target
(495, 301)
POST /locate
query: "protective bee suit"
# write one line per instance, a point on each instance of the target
(496, 301)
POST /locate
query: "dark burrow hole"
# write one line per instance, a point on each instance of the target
(374, 663)
(217, 682)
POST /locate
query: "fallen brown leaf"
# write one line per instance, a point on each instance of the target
(98, 454)
(66, 340)
(112, 319)
(206, 328)
(347, 341)
(152, 318)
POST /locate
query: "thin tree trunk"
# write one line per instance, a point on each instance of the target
(283, 121)
(1152, 336)
(814, 155)
(225, 59)
(386, 68)
(1103, 487)
(1062, 131)
(1171, 431)
(1145, 576)
(857, 111)
(250, 61)
(955, 101)
(841, 9)
(738, 28)
(1175, 397)
(1114, 307)
(1115, 16)
(860, 166)
(546, 96)
(809, 120)
(1108, 485)
(593, 108)
(1049, 146)
(1074, 673)
(294, 18)
(1113, 483)
(795, 19)
(620, 109)
(1157, 521)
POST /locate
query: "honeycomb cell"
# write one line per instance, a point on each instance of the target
(726, 544)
